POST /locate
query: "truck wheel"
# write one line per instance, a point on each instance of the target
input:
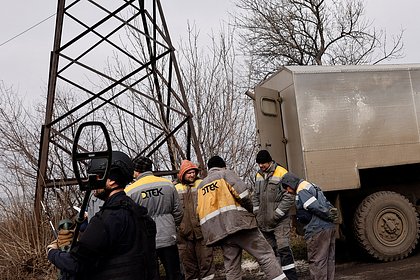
(387, 226)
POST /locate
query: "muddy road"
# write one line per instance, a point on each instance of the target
(407, 269)
(357, 267)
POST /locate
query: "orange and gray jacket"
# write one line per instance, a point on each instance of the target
(161, 199)
(190, 225)
(224, 205)
(271, 202)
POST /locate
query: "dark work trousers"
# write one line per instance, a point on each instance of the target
(197, 259)
(169, 257)
(279, 241)
(321, 254)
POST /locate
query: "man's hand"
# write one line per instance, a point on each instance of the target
(333, 215)
(65, 238)
(52, 245)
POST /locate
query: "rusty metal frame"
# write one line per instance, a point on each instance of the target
(158, 36)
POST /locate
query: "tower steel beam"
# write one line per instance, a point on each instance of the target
(113, 61)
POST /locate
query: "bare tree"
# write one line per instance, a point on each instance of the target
(311, 32)
(18, 144)
(223, 117)
(20, 129)
(215, 86)
(23, 243)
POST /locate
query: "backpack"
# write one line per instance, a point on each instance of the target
(146, 238)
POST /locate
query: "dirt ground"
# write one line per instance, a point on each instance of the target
(407, 269)
(356, 267)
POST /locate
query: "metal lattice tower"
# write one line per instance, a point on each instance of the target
(113, 61)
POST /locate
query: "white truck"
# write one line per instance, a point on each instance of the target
(355, 132)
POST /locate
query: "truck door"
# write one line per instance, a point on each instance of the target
(269, 123)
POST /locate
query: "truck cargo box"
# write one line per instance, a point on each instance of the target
(354, 131)
(339, 119)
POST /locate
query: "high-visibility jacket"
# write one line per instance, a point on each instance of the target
(271, 202)
(190, 225)
(161, 199)
(310, 197)
(224, 205)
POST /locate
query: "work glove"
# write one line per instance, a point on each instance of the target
(52, 245)
(333, 215)
(65, 238)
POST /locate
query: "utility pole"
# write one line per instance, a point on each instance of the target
(149, 93)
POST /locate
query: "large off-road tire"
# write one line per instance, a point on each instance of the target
(387, 226)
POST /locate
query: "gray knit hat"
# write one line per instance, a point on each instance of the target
(291, 180)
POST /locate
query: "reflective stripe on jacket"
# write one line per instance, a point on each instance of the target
(224, 205)
(161, 199)
(312, 199)
(190, 225)
(271, 202)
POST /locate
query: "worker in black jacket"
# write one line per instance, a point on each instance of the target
(119, 241)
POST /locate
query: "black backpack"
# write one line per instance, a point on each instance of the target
(146, 235)
(140, 261)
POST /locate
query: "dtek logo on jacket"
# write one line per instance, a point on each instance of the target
(210, 187)
(151, 193)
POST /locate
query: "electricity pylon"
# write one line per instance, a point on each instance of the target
(113, 61)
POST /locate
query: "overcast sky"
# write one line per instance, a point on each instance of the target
(24, 61)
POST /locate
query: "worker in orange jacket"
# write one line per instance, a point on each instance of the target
(196, 257)
(226, 218)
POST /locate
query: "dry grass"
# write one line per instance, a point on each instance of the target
(298, 245)
(22, 244)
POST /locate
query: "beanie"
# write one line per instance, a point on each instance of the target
(291, 180)
(263, 156)
(215, 161)
(142, 164)
(186, 165)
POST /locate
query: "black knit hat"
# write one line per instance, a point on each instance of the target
(142, 164)
(215, 161)
(263, 156)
